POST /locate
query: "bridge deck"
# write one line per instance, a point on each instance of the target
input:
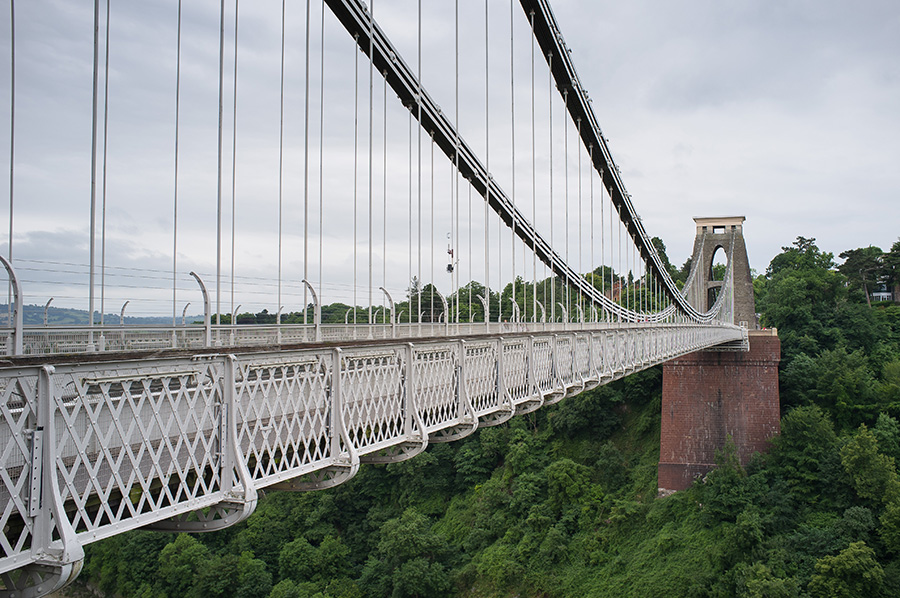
(123, 440)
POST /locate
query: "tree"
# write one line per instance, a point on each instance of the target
(804, 254)
(408, 560)
(801, 297)
(296, 560)
(872, 473)
(567, 482)
(179, 563)
(661, 250)
(806, 455)
(891, 270)
(887, 433)
(685, 271)
(890, 526)
(420, 578)
(863, 267)
(853, 572)
(253, 578)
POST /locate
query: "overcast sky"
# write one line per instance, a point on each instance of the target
(786, 113)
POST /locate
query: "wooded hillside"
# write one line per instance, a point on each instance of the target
(563, 502)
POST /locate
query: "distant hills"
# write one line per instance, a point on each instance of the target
(63, 316)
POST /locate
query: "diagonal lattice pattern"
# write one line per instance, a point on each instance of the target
(481, 377)
(130, 445)
(542, 360)
(565, 359)
(372, 396)
(436, 377)
(284, 409)
(515, 369)
(18, 403)
(583, 356)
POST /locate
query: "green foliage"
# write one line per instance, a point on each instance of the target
(807, 455)
(873, 474)
(890, 526)
(759, 581)
(853, 572)
(296, 560)
(891, 264)
(887, 435)
(863, 267)
(563, 502)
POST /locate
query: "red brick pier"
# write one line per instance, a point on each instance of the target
(710, 395)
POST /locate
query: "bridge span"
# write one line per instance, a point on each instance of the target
(183, 442)
(104, 429)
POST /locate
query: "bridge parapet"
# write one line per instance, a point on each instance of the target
(183, 442)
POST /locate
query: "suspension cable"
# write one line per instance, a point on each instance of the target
(487, 163)
(433, 282)
(12, 142)
(321, 146)
(94, 159)
(512, 116)
(355, 174)
(613, 264)
(419, 168)
(371, 129)
(471, 274)
(580, 227)
(550, 129)
(175, 197)
(103, 192)
(591, 194)
(305, 166)
(280, 164)
(455, 272)
(533, 183)
(602, 240)
(566, 197)
(409, 256)
(234, 158)
(219, 170)
(384, 190)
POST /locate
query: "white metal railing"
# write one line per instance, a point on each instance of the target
(61, 340)
(92, 450)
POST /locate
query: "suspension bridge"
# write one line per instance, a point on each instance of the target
(381, 202)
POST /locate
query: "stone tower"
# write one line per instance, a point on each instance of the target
(711, 395)
(725, 234)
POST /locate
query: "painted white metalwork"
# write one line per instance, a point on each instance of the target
(14, 337)
(184, 442)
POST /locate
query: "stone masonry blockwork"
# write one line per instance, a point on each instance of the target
(710, 395)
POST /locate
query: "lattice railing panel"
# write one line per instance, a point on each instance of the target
(131, 443)
(481, 377)
(515, 369)
(436, 375)
(597, 353)
(53, 340)
(565, 359)
(583, 356)
(18, 404)
(372, 398)
(284, 411)
(542, 363)
(619, 352)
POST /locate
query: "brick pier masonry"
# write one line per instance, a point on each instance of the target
(710, 395)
